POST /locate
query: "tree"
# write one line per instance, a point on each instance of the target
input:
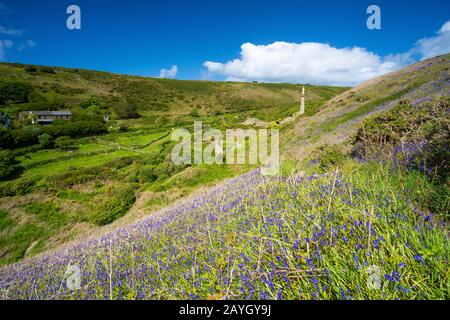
(89, 102)
(37, 101)
(45, 140)
(47, 70)
(26, 136)
(15, 91)
(88, 114)
(127, 109)
(5, 138)
(7, 165)
(64, 143)
(76, 129)
(30, 69)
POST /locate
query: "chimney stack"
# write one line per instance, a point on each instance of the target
(302, 102)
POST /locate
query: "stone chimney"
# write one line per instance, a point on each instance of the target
(302, 102)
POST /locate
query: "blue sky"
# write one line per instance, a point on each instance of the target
(143, 37)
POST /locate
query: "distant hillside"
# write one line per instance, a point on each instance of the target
(338, 118)
(60, 181)
(153, 98)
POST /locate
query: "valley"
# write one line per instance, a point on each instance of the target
(364, 182)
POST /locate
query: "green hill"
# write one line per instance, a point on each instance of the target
(157, 101)
(68, 179)
(363, 192)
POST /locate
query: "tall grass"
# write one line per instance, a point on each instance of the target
(293, 237)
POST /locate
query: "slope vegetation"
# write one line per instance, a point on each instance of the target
(360, 214)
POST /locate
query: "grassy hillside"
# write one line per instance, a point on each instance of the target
(157, 101)
(300, 236)
(90, 180)
(359, 212)
(338, 118)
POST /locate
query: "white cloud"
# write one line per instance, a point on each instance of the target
(27, 44)
(308, 62)
(214, 66)
(168, 73)
(10, 32)
(4, 44)
(321, 63)
(434, 46)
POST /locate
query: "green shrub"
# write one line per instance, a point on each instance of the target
(147, 174)
(329, 156)
(82, 175)
(76, 129)
(47, 70)
(89, 102)
(30, 69)
(6, 139)
(45, 141)
(26, 136)
(194, 113)
(76, 176)
(15, 91)
(20, 186)
(5, 221)
(127, 109)
(64, 143)
(8, 165)
(402, 127)
(116, 206)
(87, 115)
(119, 163)
(24, 185)
(48, 213)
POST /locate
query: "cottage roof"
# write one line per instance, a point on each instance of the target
(48, 113)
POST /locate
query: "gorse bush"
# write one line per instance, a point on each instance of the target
(423, 129)
(328, 157)
(64, 143)
(8, 165)
(115, 206)
(127, 109)
(30, 69)
(76, 129)
(29, 135)
(14, 91)
(19, 187)
(45, 141)
(26, 136)
(47, 70)
(412, 137)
